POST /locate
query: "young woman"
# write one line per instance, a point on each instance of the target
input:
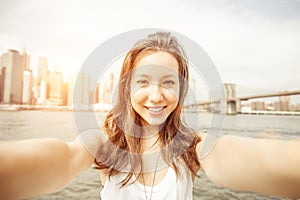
(147, 151)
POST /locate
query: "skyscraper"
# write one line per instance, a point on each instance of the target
(72, 81)
(65, 94)
(2, 79)
(27, 87)
(81, 98)
(42, 92)
(42, 68)
(26, 59)
(55, 88)
(12, 66)
(284, 103)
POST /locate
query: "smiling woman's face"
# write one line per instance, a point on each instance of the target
(155, 87)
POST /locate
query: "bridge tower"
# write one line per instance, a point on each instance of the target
(230, 92)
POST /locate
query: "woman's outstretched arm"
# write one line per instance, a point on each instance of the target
(40, 166)
(269, 166)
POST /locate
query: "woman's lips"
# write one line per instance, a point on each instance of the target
(156, 110)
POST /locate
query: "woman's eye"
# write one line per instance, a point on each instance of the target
(168, 82)
(142, 82)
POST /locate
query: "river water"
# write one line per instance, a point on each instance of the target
(41, 124)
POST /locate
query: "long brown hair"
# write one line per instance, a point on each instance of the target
(122, 149)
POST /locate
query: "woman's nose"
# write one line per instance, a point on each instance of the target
(155, 92)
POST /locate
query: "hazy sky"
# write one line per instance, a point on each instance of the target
(253, 43)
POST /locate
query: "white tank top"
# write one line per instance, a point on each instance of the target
(170, 188)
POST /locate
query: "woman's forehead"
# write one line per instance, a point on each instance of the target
(154, 71)
(159, 58)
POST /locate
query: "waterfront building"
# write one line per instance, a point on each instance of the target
(42, 91)
(284, 102)
(25, 60)
(65, 94)
(55, 88)
(27, 87)
(2, 79)
(258, 105)
(12, 67)
(81, 98)
(42, 67)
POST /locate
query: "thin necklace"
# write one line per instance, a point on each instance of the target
(145, 191)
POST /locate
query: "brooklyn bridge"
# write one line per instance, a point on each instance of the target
(233, 103)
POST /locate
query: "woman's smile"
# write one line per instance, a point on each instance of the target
(156, 110)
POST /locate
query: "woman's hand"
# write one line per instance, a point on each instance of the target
(258, 165)
(40, 166)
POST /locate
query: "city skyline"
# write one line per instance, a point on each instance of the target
(107, 82)
(48, 88)
(18, 86)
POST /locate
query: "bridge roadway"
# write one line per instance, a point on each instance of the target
(232, 103)
(277, 94)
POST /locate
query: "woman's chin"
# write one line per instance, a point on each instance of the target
(155, 122)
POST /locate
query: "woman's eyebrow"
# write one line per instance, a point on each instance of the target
(163, 77)
(170, 76)
(142, 75)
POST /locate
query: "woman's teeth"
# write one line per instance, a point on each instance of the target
(156, 109)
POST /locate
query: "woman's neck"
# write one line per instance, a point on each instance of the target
(150, 139)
